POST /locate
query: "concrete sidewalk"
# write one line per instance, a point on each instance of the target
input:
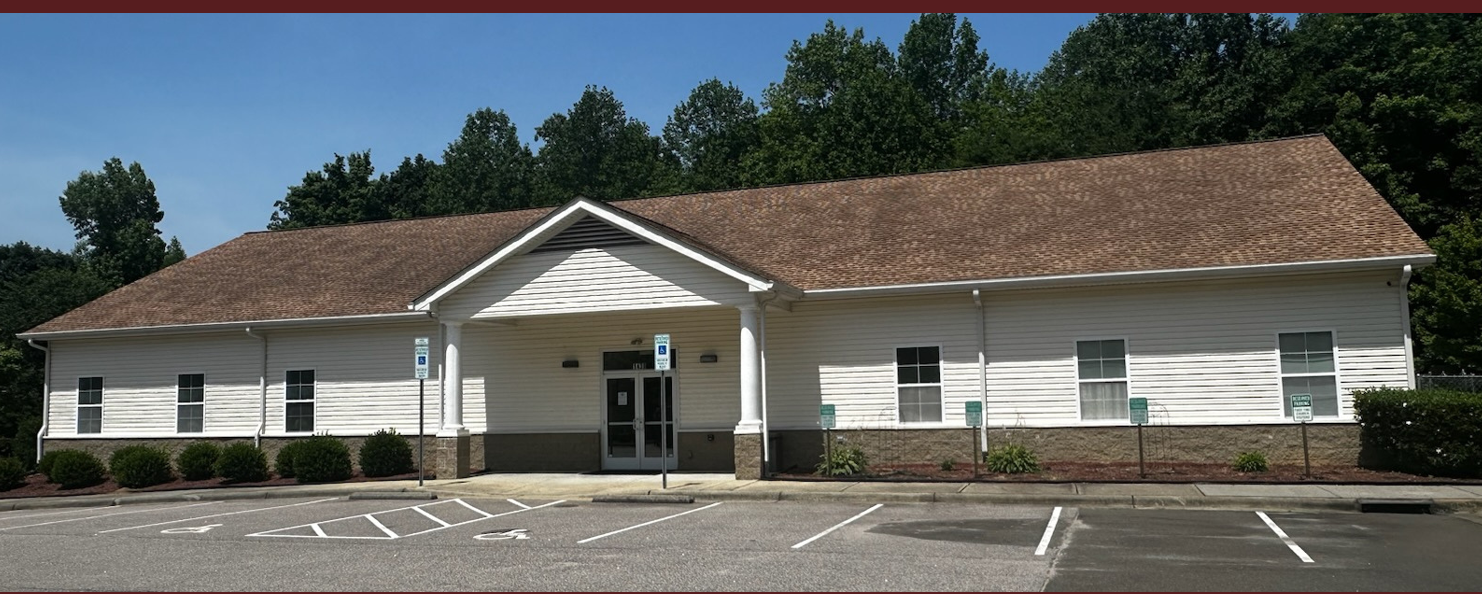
(721, 487)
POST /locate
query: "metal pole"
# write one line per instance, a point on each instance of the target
(663, 430)
(975, 452)
(421, 429)
(1306, 462)
(1140, 472)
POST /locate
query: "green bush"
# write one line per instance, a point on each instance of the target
(321, 459)
(1437, 432)
(140, 466)
(242, 463)
(948, 464)
(198, 462)
(283, 462)
(43, 465)
(386, 454)
(1012, 459)
(12, 473)
(1250, 462)
(73, 469)
(23, 447)
(843, 461)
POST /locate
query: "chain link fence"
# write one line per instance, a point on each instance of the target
(1463, 383)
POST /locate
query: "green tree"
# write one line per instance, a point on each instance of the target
(595, 150)
(942, 62)
(1447, 301)
(343, 191)
(115, 212)
(408, 191)
(710, 133)
(486, 168)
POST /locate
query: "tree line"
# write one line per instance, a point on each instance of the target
(1399, 94)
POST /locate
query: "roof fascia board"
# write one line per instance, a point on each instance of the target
(1112, 278)
(567, 213)
(219, 326)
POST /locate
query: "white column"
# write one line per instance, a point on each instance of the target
(452, 381)
(751, 372)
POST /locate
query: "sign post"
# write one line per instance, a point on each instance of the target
(662, 352)
(1302, 413)
(1138, 409)
(974, 417)
(420, 353)
(827, 420)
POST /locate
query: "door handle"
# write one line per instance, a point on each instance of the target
(637, 423)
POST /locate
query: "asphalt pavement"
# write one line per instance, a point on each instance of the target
(331, 543)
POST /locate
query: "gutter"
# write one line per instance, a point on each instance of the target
(762, 346)
(220, 326)
(45, 398)
(1141, 276)
(262, 388)
(1405, 324)
(982, 365)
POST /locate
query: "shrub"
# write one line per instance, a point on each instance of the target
(1250, 462)
(43, 465)
(242, 463)
(1436, 432)
(283, 462)
(948, 464)
(12, 473)
(23, 447)
(1012, 459)
(385, 454)
(73, 469)
(321, 459)
(198, 462)
(843, 461)
(140, 466)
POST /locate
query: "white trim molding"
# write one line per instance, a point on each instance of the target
(404, 316)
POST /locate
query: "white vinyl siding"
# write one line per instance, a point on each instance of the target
(190, 403)
(619, 278)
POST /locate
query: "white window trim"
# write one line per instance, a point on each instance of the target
(1281, 375)
(178, 404)
(78, 406)
(940, 385)
(1075, 363)
(313, 403)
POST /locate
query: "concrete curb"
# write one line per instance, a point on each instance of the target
(361, 495)
(169, 497)
(644, 498)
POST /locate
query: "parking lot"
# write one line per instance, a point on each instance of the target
(493, 544)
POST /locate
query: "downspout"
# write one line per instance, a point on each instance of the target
(1405, 323)
(262, 389)
(982, 365)
(45, 398)
(762, 346)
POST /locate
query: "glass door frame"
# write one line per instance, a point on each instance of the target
(639, 461)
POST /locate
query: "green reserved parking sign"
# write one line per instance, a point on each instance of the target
(974, 412)
(1139, 409)
(826, 416)
(1301, 407)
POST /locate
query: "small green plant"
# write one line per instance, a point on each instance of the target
(1250, 462)
(242, 463)
(198, 462)
(321, 459)
(140, 466)
(386, 454)
(948, 464)
(12, 473)
(1012, 459)
(73, 469)
(283, 462)
(843, 461)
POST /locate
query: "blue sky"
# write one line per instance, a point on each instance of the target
(225, 112)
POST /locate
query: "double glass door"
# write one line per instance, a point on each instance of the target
(634, 426)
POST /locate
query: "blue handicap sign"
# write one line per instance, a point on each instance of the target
(663, 349)
(421, 359)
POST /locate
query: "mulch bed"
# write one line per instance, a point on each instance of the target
(1159, 472)
(36, 486)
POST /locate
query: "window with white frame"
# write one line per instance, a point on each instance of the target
(1101, 372)
(298, 408)
(918, 373)
(1307, 367)
(190, 403)
(90, 405)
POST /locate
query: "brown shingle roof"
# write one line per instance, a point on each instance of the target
(1282, 201)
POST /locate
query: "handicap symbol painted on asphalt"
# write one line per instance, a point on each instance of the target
(515, 534)
(190, 530)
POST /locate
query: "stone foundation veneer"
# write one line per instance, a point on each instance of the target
(748, 455)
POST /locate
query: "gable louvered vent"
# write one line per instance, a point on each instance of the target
(588, 233)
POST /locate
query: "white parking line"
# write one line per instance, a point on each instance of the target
(838, 526)
(219, 515)
(432, 517)
(55, 513)
(1044, 541)
(318, 529)
(383, 527)
(518, 503)
(124, 513)
(1301, 554)
(649, 522)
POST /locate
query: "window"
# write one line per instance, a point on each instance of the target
(918, 378)
(1101, 371)
(1307, 367)
(90, 405)
(298, 410)
(190, 403)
